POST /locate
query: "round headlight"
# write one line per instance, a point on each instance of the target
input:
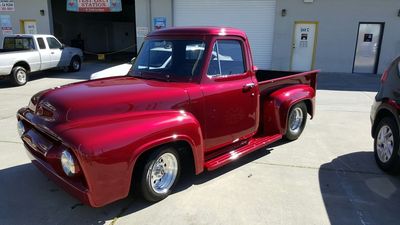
(68, 163)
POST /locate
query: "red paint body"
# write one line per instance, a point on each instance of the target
(109, 123)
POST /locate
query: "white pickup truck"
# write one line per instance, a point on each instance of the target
(24, 53)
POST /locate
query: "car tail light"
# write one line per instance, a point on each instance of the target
(384, 76)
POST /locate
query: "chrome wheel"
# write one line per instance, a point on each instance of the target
(296, 120)
(21, 76)
(385, 144)
(163, 173)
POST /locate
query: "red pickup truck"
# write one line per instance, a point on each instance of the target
(192, 96)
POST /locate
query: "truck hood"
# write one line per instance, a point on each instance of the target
(111, 96)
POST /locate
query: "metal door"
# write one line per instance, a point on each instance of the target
(255, 17)
(368, 47)
(303, 46)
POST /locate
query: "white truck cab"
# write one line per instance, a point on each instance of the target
(25, 53)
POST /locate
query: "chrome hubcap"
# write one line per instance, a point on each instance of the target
(385, 144)
(296, 119)
(21, 76)
(75, 64)
(163, 173)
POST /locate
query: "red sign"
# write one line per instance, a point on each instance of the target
(94, 5)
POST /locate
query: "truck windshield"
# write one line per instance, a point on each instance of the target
(18, 43)
(169, 60)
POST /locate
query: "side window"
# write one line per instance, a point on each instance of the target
(227, 58)
(18, 43)
(53, 43)
(41, 43)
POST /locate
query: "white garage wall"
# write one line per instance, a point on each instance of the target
(338, 27)
(29, 10)
(256, 18)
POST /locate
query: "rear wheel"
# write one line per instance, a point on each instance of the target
(296, 121)
(19, 75)
(75, 64)
(160, 174)
(386, 145)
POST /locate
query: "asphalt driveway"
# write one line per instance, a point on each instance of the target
(328, 176)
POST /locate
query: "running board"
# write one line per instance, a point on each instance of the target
(253, 145)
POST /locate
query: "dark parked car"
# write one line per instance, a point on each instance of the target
(385, 120)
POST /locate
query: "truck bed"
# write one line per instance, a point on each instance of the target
(271, 80)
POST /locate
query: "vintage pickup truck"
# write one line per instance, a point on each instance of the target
(26, 53)
(199, 102)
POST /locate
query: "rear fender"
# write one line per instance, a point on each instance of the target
(277, 106)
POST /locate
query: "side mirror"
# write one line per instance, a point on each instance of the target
(62, 46)
(133, 60)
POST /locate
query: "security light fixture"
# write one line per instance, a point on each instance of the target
(284, 12)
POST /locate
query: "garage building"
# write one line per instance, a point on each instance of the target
(357, 36)
(335, 36)
(95, 32)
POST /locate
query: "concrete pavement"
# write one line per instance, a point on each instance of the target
(328, 176)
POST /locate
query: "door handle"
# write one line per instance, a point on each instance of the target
(52, 53)
(248, 87)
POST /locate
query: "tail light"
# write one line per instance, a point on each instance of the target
(384, 76)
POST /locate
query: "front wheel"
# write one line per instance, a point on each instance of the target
(386, 145)
(160, 174)
(75, 64)
(296, 121)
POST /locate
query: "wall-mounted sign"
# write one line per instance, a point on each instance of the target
(142, 31)
(304, 37)
(7, 5)
(94, 5)
(159, 23)
(6, 26)
(368, 37)
(29, 26)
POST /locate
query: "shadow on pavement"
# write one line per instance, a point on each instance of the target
(28, 197)
(348, 82)
(355, 191)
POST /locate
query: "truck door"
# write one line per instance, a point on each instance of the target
(231, 97)
(56, 52)
(45, 56)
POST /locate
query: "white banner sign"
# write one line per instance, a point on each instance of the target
(7, 5)
(6, 26)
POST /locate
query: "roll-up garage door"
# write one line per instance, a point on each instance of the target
(256, 18)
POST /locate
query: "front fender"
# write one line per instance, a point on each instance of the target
(277, 106)
(109, 148)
